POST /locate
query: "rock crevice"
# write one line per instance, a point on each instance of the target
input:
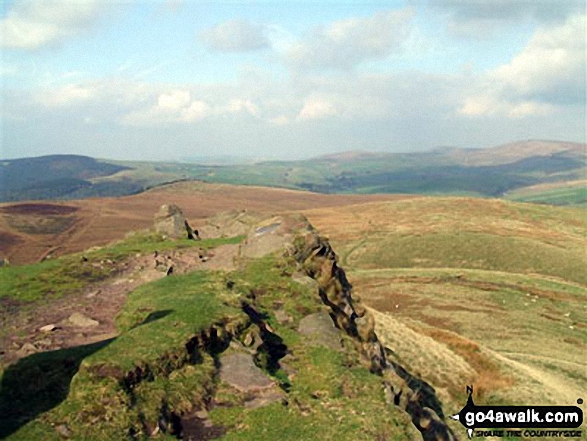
(407, 391)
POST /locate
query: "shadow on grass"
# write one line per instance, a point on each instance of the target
(40, 382)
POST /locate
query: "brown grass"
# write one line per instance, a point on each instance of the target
(488, 375)
(102, 220)
(38, 209)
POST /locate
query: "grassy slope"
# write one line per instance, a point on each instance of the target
(486, 278)
(459, 233)
(83, 389)
(563, 193)
(475, 172)
(65, 275)
(429, 172)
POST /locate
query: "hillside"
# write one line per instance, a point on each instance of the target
(483, 172)
(445, 292)
(502, 284)
(493, 172)
(556, 193)
(59, 177)
(242, 354)
(31, 231)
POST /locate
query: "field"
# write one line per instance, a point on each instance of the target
(559, 193)
(32, 231)
(511, 170)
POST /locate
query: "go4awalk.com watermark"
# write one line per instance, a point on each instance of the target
(520, 421)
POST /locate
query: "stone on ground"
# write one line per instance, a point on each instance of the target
(82, 321)
(170, 222)
(239, 371)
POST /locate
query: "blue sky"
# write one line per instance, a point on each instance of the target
(169, 79)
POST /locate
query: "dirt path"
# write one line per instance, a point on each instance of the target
(560, 390)
(99, 303)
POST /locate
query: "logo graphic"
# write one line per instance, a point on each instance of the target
(474, 417)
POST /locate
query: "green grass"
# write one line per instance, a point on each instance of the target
(156, 323)
(473, 251)
(87, 389)
(55, 278)
(558, 196)
(540, 320)
(328, 399)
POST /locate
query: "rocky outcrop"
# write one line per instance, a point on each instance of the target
(171, 222)
(403, 389)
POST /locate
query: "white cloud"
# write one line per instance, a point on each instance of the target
(235, 36)
(178, 106)
(552, 64)
(346, 43)
(488, 105)
(548, 72)
(173, 101)
(281, 120)
(317, 108)
(70, 94)
(33, 24)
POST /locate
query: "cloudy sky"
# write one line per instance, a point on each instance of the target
(169, 79)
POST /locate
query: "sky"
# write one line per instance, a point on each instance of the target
(175, 79)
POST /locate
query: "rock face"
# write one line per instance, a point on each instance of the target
(416, 397)
(170, 222)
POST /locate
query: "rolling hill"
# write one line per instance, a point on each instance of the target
(460, 290)
(30, 231)
(500, 283)
(59, 177)
(489, 172)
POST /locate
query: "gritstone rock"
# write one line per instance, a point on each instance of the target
(82, 321)
(170, 221)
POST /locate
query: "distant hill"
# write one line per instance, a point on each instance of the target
(58, 177)
(515, 151)
(489, 172)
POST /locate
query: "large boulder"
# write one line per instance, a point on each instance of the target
(170, 222)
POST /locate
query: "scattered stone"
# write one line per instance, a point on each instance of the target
(202, 414)
(26, 349)
(93, 294)
(283, 317)
(63, 430)
(240, 372)
(44, 342)
(249, 339)
(82, 321)
(192, 234)
(48, 328)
